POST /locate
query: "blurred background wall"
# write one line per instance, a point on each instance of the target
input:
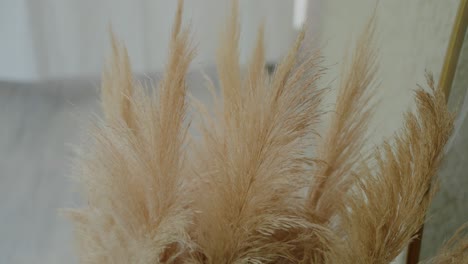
(53, 39)
(412, 37)
(52, 52)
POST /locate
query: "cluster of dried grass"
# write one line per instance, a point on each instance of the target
(237, 196)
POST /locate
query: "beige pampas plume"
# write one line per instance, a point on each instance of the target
(237, 196)
(388, 204)
(133, 170)
(341, 146)
(254, 162)
(117, 85)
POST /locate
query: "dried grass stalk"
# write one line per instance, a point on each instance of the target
(342, 145)
(254, 162)
(389, 202)
(238, 195)
(133, 171)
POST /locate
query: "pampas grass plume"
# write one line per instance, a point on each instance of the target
(249, 192)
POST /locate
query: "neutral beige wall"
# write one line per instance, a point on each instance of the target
(412, 36)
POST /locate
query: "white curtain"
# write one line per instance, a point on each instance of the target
(43, 39)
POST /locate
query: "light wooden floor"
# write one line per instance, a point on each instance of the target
(38, 124)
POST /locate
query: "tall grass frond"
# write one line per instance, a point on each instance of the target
(388, 204)
(249, 192)
(342, 145)
(254, 163)
(134, 168)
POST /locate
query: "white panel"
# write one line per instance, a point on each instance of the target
(16, 45)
